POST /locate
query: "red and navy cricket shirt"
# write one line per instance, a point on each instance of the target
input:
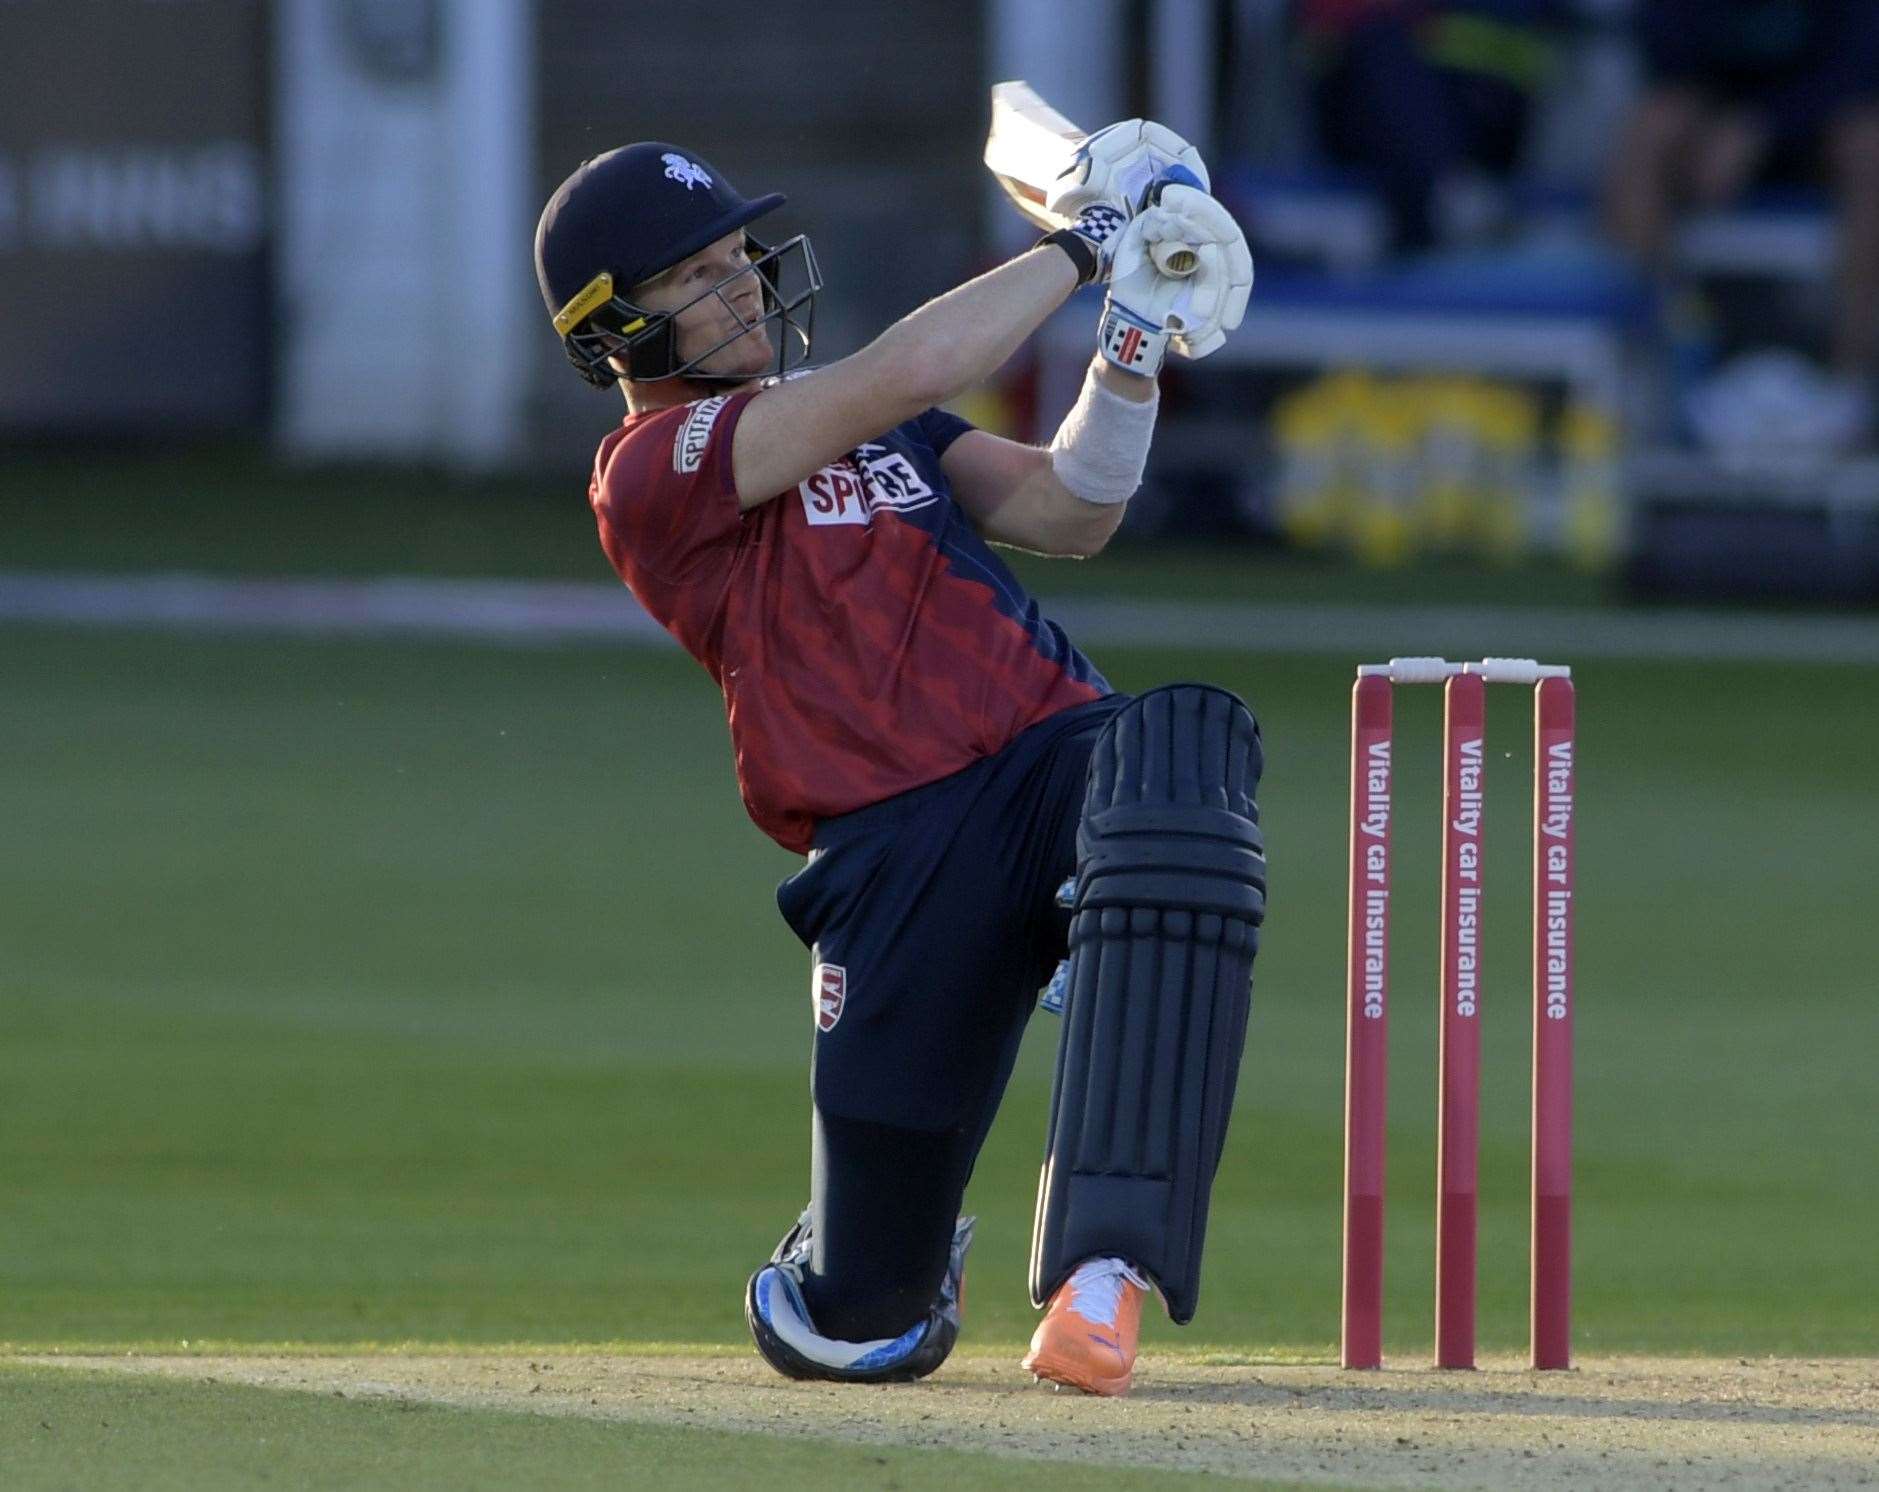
(866, 638)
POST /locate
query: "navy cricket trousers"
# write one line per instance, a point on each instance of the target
(932, 920)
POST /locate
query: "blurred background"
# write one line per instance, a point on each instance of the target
(1588, 283)
(384, 953)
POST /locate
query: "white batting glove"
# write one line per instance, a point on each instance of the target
(1091, 241)
(1148, 312)
(1117, 165)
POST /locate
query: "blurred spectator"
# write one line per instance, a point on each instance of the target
(1432, 97)
(1748, 91)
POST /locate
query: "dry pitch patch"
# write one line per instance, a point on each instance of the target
(1617, 1423)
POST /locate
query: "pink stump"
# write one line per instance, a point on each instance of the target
(1366, 1053)
(1553, 794)
(1458, 1124)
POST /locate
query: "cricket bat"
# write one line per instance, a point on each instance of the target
(1030, 145)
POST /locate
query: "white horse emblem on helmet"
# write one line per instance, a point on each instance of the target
(689, 172)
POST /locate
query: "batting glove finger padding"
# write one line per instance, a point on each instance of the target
(1117, 165)
(1193, 312)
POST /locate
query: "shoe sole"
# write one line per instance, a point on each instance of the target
(1072, 1376)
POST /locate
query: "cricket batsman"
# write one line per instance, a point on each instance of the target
(975, 802)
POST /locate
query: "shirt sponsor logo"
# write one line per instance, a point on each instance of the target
(875, 477)
(892, 481)
(835, 495)
(688, 450)
(830, 989)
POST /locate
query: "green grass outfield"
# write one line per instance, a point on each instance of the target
(371, 993)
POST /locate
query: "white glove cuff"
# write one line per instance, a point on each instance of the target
(1101, 448)
(1131, 343)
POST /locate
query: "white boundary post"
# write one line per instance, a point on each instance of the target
(404, 165)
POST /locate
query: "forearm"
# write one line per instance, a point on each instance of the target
(964, 336)
(1094, 524)
(1081, 528)
(1042, 516)
(1099, 452)
(1066, 498)
(1131, 386)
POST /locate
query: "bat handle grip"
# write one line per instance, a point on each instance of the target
(1175, 260)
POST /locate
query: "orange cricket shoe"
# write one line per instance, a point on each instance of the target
(1087, 1337)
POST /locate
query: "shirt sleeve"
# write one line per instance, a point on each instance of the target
(940, 428)
(666, 492)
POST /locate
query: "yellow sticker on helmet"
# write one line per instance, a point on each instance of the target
(594, 294)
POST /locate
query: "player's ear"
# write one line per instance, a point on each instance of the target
(617, 357)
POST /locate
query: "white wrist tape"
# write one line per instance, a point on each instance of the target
(1101, 448)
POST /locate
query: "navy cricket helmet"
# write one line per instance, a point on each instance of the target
(624, 217)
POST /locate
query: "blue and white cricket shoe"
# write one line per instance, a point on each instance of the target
(787, 1339)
